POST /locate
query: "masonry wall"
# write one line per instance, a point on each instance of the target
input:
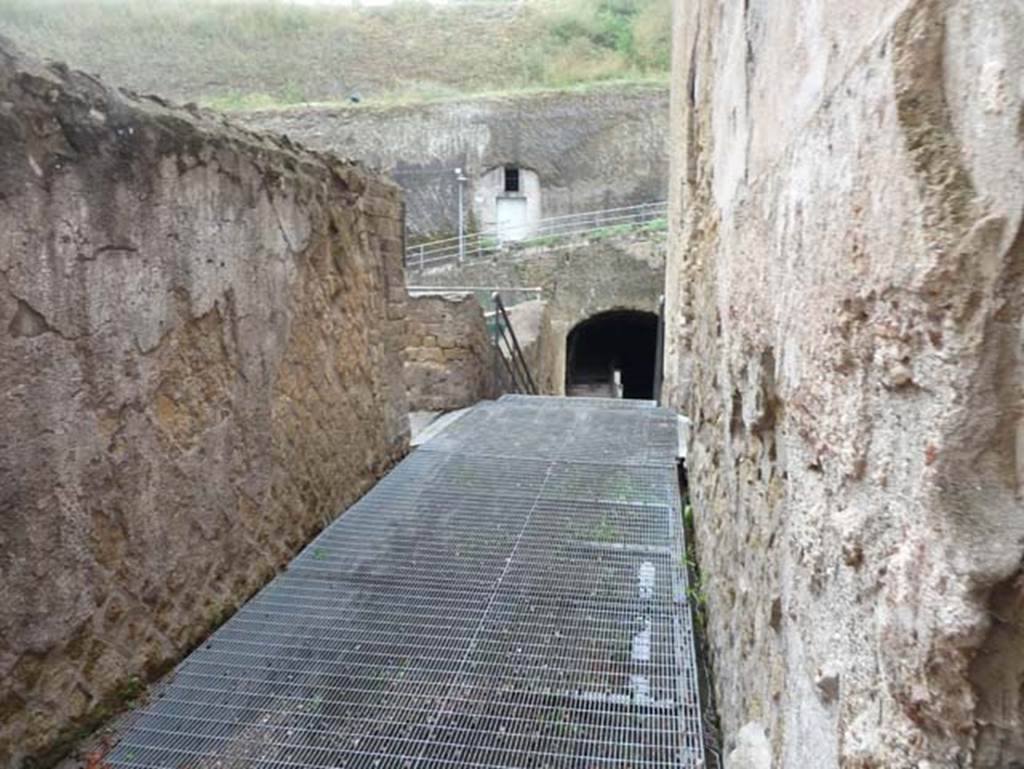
(600, 148)
(201, 344)
(845, 290)
(578, 280)
(449, 358)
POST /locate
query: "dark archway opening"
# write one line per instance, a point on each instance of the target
(613, 355)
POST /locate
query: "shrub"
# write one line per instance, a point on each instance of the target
(244, 53)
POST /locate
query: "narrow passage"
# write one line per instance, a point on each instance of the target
(511, 595)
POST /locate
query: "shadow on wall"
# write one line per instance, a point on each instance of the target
(613, 355)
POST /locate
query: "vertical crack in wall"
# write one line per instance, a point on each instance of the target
(919, 39)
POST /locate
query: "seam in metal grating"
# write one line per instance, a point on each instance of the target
(511, 595)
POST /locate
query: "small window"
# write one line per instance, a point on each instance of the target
(511, 179)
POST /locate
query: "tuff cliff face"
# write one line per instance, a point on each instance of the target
(601, 148)
(201, 349)
(845, 291)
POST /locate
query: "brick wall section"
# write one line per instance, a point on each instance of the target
(449, 358)
(201, 347)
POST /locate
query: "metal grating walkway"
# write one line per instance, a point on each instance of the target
(511, 595)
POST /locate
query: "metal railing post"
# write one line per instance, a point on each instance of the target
(462, 179)
(497, 344)
(659, 351)
(517, 364)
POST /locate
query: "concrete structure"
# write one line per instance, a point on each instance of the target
(845, 292)
(508, 201)
(574, 151)
(581, 280)
(201, 346)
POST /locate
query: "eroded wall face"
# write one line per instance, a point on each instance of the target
(845, 291)
(201, 338)
(593, 150)
(450, 361)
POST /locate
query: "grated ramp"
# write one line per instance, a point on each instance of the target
(511, 595)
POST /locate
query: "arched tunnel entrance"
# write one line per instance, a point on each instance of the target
(613, 355)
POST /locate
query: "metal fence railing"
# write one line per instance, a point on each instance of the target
(489, 290)
(511, 297)
(511, 372)
(479, 245)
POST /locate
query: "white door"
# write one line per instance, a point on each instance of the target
(511, 219)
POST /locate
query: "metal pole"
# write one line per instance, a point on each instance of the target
(497, 344)
(462, 179)
(659, 351)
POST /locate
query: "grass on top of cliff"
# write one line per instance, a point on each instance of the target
(247, 54)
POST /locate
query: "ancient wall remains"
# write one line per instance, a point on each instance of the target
(578, 280)
(449, 358)
(201, 345)
(593, 149)
(845, 293)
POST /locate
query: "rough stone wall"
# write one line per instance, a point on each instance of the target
(595, 149)
(845, 291)
(201, 342)
(449, 359)
(578, 280)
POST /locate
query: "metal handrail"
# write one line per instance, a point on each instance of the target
(551, 226)
(469, 289)
(552, 220)
(480, 244)
(508, 355)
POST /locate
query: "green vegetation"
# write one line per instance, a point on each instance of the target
(605, 531)
(618, 230)
(248, 54)
(589, 40)
(123, 697)
(696, 591)
(601, 233)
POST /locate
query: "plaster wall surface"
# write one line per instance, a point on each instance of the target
(201, 348)
(600, 148)
(845, 288)
(490, 188)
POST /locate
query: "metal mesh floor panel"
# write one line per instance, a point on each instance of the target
(511, 595)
